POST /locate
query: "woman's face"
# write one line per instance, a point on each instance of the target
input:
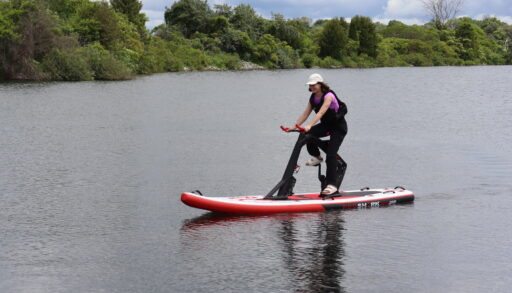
(315, 88)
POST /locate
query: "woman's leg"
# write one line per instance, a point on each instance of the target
(332, 150)
(319, 131)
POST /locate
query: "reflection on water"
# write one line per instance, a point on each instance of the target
(317, 267)
(312, 254)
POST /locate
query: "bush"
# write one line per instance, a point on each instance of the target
(417, 59)
(224, 60)
(103, 64)
(287, 57)
(188, 56)
(362, 60)
(264, 51)
(235, 41)
(443, 54)
(158, 57)
(66, 65)
(309, 60)
(85, 63)
(329, 62)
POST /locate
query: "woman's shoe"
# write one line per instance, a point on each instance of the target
(314, 161)
(330, 189)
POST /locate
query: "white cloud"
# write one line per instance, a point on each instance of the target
(403, 8)
(408, 21)
(473, 8)
(155, 17)
(506, 19)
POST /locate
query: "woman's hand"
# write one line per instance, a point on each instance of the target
(307, 128)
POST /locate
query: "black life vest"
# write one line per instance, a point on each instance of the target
(330, 117)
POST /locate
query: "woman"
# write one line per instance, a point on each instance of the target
(330, 111)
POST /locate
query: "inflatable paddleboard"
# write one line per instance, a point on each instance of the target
(299, 203)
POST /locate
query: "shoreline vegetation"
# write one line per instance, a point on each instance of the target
(72, 40)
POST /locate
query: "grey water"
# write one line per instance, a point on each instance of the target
(91, 175)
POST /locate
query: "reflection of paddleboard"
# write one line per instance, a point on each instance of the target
(298, 203)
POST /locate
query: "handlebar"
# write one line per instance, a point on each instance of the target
(299, 129)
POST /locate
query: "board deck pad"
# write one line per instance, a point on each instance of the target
(341, 194)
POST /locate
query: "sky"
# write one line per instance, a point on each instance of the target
(407, 11)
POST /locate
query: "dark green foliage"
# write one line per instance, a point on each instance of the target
(26, 36)
(65, 8)
(189, 15)
(235, 41)
(400, 30)
(130, 8)
(264, 51)
(158, 57)
(223, 60)
(97, 22)
(246, 20)
(274, 54)
(85, 63)
(362, 30)
(287, 57)
(103, 64)
(329, 62)
(290, 32)
(333, 39)
(223, 10)
(217, 25)
(67, 65)
(309, 60)
(466, 34)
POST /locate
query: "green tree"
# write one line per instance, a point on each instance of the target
(26, 35)
(245, 19)
(354, 28)
(333, 39)
(8, 16)
(466, 34)
(189, 15)
(223, 10)
(130, 8)
(400, 30)
(235, 41)
(217, 25)
(97, 22)
(290, 31)
(265, 50)
(362, 30)
(65, 8)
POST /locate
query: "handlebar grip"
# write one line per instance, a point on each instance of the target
(302, 129)
(287, 129)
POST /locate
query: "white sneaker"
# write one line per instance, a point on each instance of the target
(329, 189)
(314, 161)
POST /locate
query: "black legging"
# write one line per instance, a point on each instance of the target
(337, 136)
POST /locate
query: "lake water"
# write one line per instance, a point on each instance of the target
(91, 175)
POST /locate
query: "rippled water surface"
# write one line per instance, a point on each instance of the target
(91, 174)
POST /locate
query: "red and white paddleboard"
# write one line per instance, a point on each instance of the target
(298, 203)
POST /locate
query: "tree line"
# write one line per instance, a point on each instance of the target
(99, 40)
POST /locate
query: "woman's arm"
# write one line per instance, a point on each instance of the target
(320, 114)
(304, 115)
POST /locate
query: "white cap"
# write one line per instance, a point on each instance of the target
(314, 79)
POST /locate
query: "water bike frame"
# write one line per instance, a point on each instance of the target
(285, 187)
